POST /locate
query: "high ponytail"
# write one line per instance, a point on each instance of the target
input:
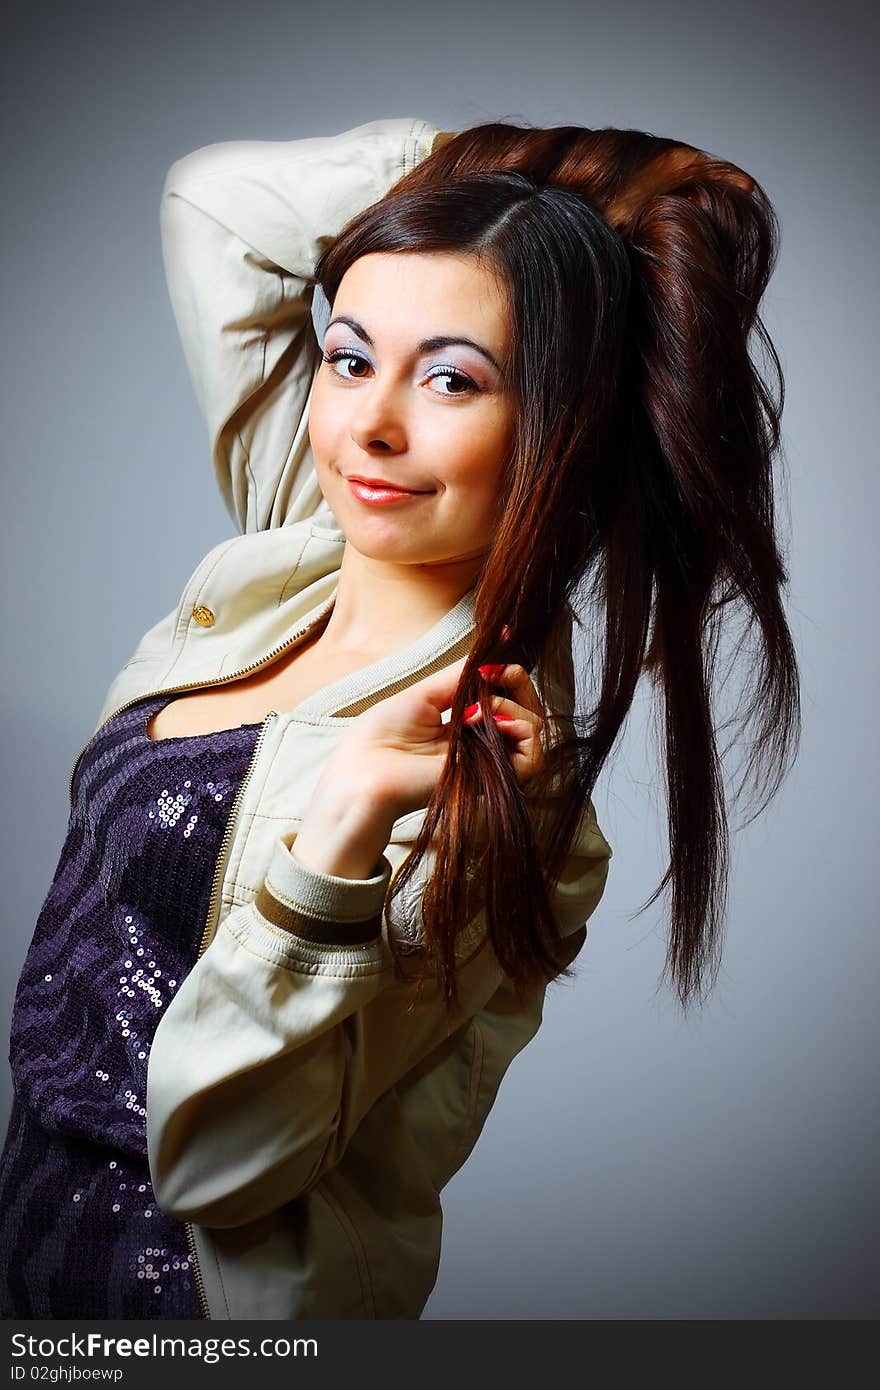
(640, 486)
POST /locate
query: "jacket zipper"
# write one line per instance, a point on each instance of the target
(195, 685)
(213, 906)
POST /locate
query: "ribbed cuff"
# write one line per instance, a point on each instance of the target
(321, 907)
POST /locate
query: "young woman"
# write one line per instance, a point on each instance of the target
(333, 834)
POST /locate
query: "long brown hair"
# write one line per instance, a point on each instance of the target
(640, 483)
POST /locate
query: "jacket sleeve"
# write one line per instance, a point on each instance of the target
(293, 1023)
(242, 224)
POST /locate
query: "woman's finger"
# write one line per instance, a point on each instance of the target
(517, 680)
(519, 719)
(440, 687)
(521, 726)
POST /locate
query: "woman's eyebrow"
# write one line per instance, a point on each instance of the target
(426, 345)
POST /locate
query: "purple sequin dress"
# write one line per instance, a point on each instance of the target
(81, 1234)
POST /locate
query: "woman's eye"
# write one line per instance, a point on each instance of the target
(459, 383)
(342, 356)
(463, 383)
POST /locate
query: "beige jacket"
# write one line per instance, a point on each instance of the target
(299, 1119)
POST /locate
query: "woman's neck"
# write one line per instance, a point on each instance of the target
(381, 607)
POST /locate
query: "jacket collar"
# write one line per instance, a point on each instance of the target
(442, 644)
(266, 588)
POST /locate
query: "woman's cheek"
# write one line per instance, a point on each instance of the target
(323, 423)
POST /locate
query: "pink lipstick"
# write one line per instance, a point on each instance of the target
(376, 493)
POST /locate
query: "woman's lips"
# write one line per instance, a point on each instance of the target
(370, 492)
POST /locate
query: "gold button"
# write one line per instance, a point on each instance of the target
(203, 616)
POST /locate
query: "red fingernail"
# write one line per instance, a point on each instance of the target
(492, 672)
(471, 710)
(504, 718)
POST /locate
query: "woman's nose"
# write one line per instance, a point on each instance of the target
(377, 420)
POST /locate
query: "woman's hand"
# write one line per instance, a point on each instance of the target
(389, 760)
(395, 752)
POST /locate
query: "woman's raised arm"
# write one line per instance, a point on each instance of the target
(242, 225)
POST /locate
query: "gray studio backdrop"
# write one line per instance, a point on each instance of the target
(635, 1165)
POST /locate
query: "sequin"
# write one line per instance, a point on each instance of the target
(141, 904)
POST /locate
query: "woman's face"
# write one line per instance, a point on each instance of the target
(396, 407)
